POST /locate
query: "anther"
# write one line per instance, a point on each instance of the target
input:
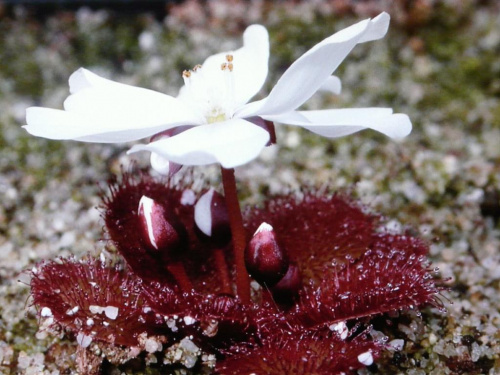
(223, 66)
(230, 67)
(186, 73)
(196, 67)
(229, 58)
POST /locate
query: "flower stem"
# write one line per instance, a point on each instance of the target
(238, 233)
(221, 264)
(178, 271)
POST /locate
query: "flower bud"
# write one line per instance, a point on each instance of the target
(265, 259)
(212, 219)
(289, 286)
(164, 166)
(160, 164)
(159, 233)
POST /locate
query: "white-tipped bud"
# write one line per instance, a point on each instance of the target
(265, 259)
(157, 231)
(264, 227)
(164, 166)
(159, 163)
(211, 217)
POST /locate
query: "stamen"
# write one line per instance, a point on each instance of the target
(215, 101)
(186, 76)
(229, 78)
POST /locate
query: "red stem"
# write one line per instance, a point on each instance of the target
(179, 273)
(221, 264)
(238, 233)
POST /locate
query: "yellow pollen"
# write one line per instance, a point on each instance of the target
(230, 67)
(186, 74)
(229, 58)
(223, 66)
(219, 117)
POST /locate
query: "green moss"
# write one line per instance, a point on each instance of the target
(465, 69)
(23, 334)
(496, 115)
(17, 44)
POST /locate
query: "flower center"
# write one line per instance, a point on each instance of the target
(211, 90)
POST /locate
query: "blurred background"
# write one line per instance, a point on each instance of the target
(439, 63)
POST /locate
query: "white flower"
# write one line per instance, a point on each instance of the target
(214, 102)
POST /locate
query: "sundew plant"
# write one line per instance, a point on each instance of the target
(292, 286)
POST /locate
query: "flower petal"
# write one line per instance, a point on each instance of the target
(58, 124)
(332, 85)
(100, 110)
(250, 65)
(335, 123)
(230, 143)
(83, 79)
(306, 75)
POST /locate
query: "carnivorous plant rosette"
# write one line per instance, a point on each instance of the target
(322, 270)
(211, 120)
